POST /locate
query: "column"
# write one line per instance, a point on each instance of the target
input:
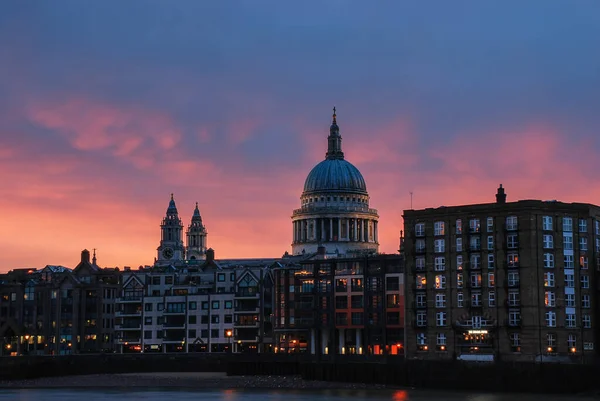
(339, 229)
(341, 342)
(355, 237)
(294, 230)
(347, 229)
(303, 232)
(375, 223)
(362, 230)
(312, 342)
(322, 229)
(330, 229)
(314, 233)
(359, 349)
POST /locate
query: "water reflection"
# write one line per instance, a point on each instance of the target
(261, 395)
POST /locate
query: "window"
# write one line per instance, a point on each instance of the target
(422, 340)
(586, 303)
(441, 340)
(551, 341)
(440, 282)
(476, 299)
(438, 228)
(440, 300)
(583, 262)
(582, 226)
(548, 261)
(569, 262)
(490, 242)
(420, 245)
(192, 333)
(570, 320)
(597, 227)
(587, 321)
(420, 263)
(514, 298)
(214, 333)
(490, 224)
(585, 281)
(204, 305)
(193, 305)
(476, 280)
(459, 262)
(492, 299)
(572, 342)
(570, 300)
(550, 319)
(160, 306)
(440, 319)
(568, 241)
(548, 241)
(569, 280)
(459, 299)
(491, 280)
(459, 280)
(491, 261)
(439, 245)
(475, 243)
(547, 223)
(192, 319)
(513, 278)
(421, 319)
(549, 299)
(583, 244)
(512, 260)
(475, 261)
(459, 244)
(421, 300)
(228, 319)
(147, 334)
(515, 342)
(512, 241)
(459, 226)
(567, 224)
(514, 318)
(440, 263)
(421, 282)
(214, 319)
(511, 223)
(548, 279)
(215, 304)
(204, 319)
(148, 307)
(474, 225)
(220, 277)
(148, 320)
(476, 322)
(420, 229)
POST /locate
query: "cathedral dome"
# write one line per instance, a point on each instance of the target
(335, 175)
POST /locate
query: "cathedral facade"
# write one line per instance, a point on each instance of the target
(172, 248)
(334, 208)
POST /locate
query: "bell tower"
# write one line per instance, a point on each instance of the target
(171, 243)
(196, 237)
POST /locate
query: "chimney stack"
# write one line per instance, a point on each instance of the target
(500, 195)
(85, 256)
(210, 255)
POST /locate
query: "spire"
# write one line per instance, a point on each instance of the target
(172, 208)
(334, 140)
(196, 216)
(94, 258)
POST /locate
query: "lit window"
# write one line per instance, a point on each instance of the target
(474, 225)
(512, 260)
(421, 281)
(459, 280)
(438, 228)
(440, 282)
(548, 279)
(491, 280)
(549, 299)
(459, 226)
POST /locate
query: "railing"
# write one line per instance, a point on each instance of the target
(128, 313)
(328, 207)
(247, 292)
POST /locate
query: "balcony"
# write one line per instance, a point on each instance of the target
(128, 327)
(129, 299)
(252, 310)
(247, 292)
(247, 324)
(128, 313)
(174, 312)
(128, 340)
(173, 326)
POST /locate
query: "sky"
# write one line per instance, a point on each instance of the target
(107, 107)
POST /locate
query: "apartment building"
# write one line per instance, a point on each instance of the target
(198, 306)
(56, 310)
(340, 305)
(504, 280)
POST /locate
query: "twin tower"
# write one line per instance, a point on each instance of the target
(171, 248)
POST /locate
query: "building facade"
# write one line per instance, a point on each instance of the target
(334, 210)
(505, 280)
(57, 310)
(206, 306)
(329, 306)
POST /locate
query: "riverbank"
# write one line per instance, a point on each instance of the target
(191, 380)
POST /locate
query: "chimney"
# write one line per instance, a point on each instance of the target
(210, 255)
(500, 195)
(85, 256)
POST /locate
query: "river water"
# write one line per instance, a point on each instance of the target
(262, 395)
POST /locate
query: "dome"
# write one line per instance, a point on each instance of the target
(335, 175)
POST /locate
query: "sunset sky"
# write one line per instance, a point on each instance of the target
(107, 107)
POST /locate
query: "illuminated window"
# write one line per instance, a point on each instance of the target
(440, 282)
(459, 226)
(459, 262)
(476, 280)
(459, 280)
(548, 279)
(549, 299)
(421, 281)
(439, 228)
(512, 260)
(491, 280)
(474, 225)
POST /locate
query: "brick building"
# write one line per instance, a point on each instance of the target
(504, 280)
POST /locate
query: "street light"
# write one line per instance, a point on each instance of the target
(229, 334)
(27, 339)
